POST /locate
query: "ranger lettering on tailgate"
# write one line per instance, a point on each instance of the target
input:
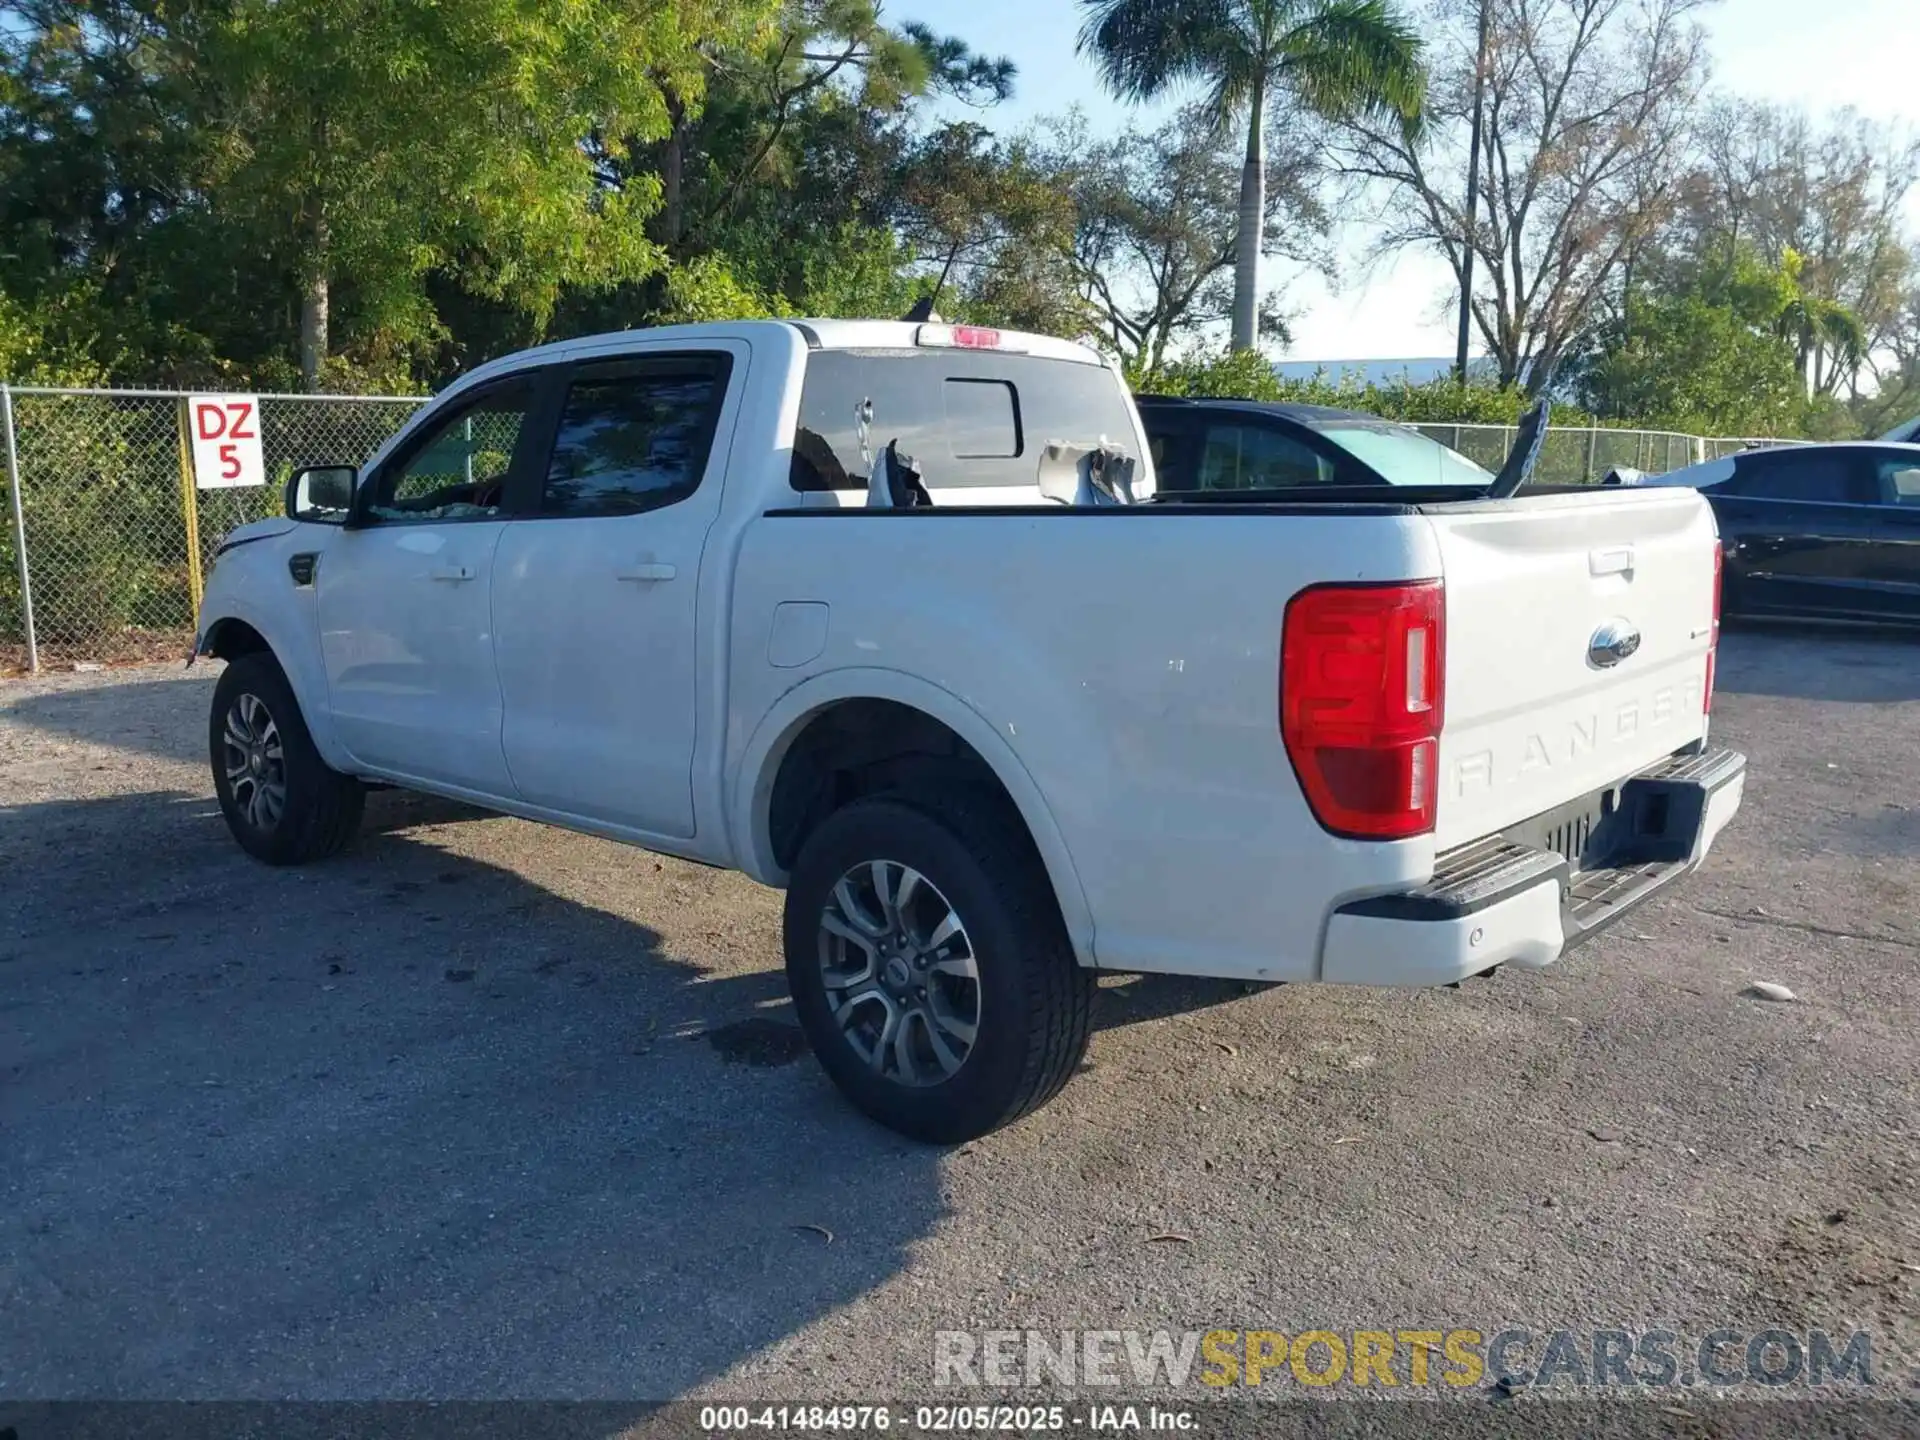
(1570, 741)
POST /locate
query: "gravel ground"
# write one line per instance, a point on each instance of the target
(487, 1110)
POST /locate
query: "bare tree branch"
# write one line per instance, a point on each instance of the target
(1587, 103)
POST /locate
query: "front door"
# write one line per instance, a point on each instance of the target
(596, 593)
(403, 599)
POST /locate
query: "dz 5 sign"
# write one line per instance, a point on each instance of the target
(225, 430)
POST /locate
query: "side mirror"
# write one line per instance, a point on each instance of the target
(321, 494)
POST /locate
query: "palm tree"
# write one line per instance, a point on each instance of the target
(1829, 341)
(1340, 58)
(1820, 331)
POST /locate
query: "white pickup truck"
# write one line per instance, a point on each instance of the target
(996, 716)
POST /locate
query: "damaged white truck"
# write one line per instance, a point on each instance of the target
(890, 616)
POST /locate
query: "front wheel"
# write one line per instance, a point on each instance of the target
(281, 800)
(929, 965)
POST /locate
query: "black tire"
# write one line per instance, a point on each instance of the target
(1034, 1000)
(321, 808)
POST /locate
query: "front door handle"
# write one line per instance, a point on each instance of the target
(451, 572)
(645, 571)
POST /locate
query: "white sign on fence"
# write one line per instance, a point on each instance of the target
(226, 441)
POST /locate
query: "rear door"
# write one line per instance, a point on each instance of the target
(1896, 537)
(1577, 635)
(1799, 526)
(595, 593)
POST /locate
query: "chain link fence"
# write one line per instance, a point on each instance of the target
(1584, 457)
(108, 537)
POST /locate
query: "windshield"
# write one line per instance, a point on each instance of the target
(1405, 457)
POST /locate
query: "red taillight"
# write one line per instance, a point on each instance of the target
(965, 337)
(1361, 704)
(1713, 638)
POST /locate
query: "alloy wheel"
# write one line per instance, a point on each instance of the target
(255, 761)
(901, 976)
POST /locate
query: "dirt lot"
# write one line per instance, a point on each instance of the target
(487, 1110)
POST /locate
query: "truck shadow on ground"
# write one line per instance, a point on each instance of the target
(167, 720)
(407, 1124)
(402, 1124)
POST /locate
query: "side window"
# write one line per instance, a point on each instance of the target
(457, 468)
(1820, 475)
(1900, 482)
(633, 440)
(1252, 457)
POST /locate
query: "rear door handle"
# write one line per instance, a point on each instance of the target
(646, 571)
(451, 573)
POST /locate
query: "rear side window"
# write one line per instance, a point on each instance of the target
(632, 439)
(970, 419)
(1900, 481)
(1402, 456)
(1830, 476)
(1254, 457)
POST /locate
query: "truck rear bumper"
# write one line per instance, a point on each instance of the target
(1530, 894)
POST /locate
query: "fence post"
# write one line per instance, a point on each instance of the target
(1593, 451)
(190, 510)
(19, 529)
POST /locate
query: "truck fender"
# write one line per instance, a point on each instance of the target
(299, 663)
(751, 789)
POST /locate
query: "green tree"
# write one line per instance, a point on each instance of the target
(1155, 213)
(790, 177)
(237, 183)
(390, 141)
(1831, 197)
(1709, 349)
(977, 210)
(1338, 58)
(817, 54)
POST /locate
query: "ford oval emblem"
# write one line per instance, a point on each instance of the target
(1612, 643)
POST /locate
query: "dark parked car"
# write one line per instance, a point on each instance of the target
(1257, 445)
(1819, 532)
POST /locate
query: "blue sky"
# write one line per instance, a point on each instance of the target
(1821, 54)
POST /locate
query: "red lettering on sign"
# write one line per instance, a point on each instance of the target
(229, 461)
(240, 413)
(209, 415)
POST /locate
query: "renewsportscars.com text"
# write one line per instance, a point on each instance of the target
(1404, 1357)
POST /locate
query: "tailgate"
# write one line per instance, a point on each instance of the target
(1548, 695)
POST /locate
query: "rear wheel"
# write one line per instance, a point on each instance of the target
(929, 965)
(281, 800)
